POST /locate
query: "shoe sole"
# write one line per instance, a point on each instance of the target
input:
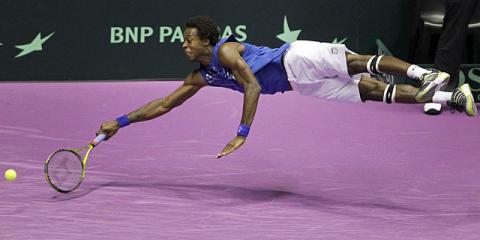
(438, 84)
(470, 108)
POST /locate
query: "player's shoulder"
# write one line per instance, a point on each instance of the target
(230, 46)
(229, 53)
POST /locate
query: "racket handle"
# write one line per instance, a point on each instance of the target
(98, 139)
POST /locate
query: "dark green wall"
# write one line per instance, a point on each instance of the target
(81, 48)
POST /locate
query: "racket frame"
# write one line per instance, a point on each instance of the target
(47, 162)
(83, 161)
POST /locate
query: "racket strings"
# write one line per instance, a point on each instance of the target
(65, 170)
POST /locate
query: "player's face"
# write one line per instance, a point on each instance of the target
(193, 46)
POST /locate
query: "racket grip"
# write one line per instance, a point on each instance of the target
(98, 139)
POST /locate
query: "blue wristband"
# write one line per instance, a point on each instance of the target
(243, 130)
(123, 121)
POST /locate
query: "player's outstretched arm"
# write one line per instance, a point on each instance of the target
(157, 107)
(229, 55)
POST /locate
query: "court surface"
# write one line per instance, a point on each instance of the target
(310, 169)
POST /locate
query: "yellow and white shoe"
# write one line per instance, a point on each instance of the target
(463, 101)
(430, 83)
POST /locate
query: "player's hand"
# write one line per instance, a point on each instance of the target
(232, 146)
(109, 129)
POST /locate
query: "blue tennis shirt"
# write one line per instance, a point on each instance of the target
(266, 64)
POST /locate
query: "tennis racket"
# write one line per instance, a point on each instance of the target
(65, 168)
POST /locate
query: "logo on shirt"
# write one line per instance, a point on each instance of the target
(219, 76)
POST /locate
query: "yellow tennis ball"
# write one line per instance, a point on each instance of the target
(10, 175)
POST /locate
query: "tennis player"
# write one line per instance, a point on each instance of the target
(324, 70)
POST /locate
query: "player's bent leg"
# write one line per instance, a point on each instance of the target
(374, 90)
(430, 81)
(376, 64)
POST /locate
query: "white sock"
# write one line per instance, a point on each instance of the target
(442, 97)
(416, 72)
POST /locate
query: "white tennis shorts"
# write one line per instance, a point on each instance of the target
(320, 70)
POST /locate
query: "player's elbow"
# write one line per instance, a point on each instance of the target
(253, 87)
(167, 107)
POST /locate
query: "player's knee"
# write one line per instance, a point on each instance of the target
(357, 63)
(371, 89)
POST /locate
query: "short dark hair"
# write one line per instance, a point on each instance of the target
(206, 26)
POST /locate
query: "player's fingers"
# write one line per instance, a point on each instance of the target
(228, 150)
(221, 154)
(225, 151)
